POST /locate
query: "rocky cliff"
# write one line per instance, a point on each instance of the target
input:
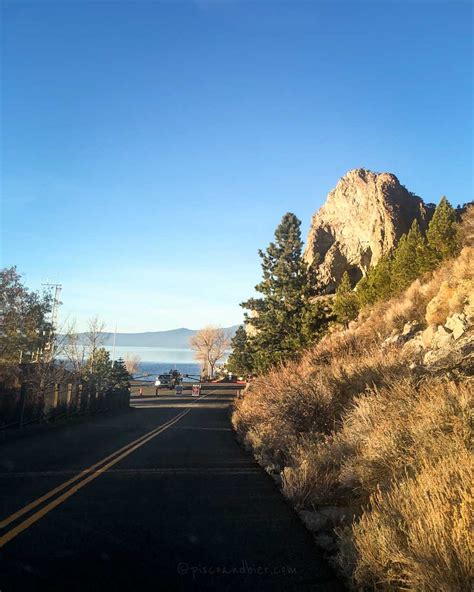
(361, 220)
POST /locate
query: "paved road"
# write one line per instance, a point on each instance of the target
(182, 508)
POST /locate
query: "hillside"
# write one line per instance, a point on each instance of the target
(369, 433)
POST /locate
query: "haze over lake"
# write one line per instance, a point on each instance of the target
(154, 354)
(158, 360)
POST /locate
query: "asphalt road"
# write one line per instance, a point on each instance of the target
(182, 508)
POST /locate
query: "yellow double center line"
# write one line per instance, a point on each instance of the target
(82, 479)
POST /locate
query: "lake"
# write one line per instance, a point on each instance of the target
(159, 360)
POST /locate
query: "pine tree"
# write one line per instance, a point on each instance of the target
(346, 306)
(411, 259)
(382, 278)
(240, 361)
(365, 290)
(316, 319)
(120, 377)
(442, 232)
(376, 285)
(287, 288)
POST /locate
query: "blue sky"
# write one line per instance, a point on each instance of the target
(150, 148)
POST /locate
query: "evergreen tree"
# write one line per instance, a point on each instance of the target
(316, 319)
(413, 256)
(280, 317)
(442, 232)
(346, 306)
(100, 365)
(376, 285)
(240, 361)
(411, 259)
(120, 377)
(25, 325)
(365, 291)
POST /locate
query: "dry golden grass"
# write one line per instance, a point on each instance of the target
(351, 424)
(392, 431)
(456, 290)
(467, 227)
(418, 535)
(278, 409)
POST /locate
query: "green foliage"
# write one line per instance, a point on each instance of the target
(288, 317)
(100, 365)
(411, 259)
(414, 256)
(109, 376)
(283, 318)
(120, 377)
(346, 305)
(376, 285)
(442, 232)
(317, 317)
(240, 361)
(25, 328)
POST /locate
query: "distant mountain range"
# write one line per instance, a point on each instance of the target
(175, 338)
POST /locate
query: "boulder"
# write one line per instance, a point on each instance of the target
(457, 324)
(410, 328)
(314, 521)
(361, 220)
(325, 518)
(327, 542)
(442, 337)
(428, 335)
(457, 356)
(414, 346)
(336, 514)
(409, 331)
(393, 340)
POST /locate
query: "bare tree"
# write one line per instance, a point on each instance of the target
(71, 348)
(210, 345)
(80, 350)
(132, 363)
(94, 337)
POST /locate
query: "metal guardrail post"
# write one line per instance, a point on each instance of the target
(22, 404)
(55, 398)
(69, 397)
(79, 397)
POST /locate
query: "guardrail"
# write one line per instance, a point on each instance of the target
(144, 389)
(25, 404)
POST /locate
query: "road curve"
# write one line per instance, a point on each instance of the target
(157, 498)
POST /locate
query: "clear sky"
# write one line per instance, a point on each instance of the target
(150, 148)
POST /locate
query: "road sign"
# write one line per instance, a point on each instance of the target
(196, 390)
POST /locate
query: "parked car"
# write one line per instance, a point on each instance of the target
(169, 380)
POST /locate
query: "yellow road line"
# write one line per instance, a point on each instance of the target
(59, 500)
(84, 472)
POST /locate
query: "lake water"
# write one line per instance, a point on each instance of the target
(159, 360)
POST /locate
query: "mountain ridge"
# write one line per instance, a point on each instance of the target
(171, 338)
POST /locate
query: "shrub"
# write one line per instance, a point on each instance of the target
(467, 227)
(391, 431)
(456, 290)
(351, 423)
(417, 536)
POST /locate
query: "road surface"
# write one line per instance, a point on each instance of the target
(160, 497)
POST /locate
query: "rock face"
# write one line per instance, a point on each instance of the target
(362, 219)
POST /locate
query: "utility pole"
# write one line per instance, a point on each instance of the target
(113, 348)
(54, 315)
